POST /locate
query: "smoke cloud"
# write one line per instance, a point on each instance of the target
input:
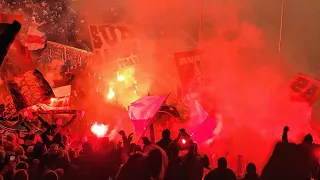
(242, 75)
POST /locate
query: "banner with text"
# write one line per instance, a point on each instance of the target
(56, 51)
(112, 42)
(123, 63)
(304, 88)
(29, 89)
(189, 64)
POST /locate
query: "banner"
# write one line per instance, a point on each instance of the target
(58, 112)
(77, 57)
(62, 91)
(305, 88)
(127, 62)
(61, 101)
(189, 66)
(112, 41)
(29, 89)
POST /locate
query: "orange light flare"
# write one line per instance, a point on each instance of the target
(111, 93)
(100, 130)
(121, 78)
(123, 87)
(52, 100)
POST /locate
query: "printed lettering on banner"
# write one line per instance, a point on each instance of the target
(77, 57)
(112, 41)
(189, 66)
(305, 88)
(127, 62)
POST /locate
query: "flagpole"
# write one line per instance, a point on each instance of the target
(280, 33)
(152, 119)
(200, 23)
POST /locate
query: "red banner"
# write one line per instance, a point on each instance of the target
(305, 88)
(112, 41)
(189, 66)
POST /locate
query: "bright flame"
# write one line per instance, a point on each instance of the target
(121, 78)
(184, 141)
(100, 130)
(52, 100)
(111, 94)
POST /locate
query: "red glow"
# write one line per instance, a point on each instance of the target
(100, 130)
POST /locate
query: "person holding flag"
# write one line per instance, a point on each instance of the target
(35, 39)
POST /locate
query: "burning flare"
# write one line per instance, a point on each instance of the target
(111, 93)
(100, 130)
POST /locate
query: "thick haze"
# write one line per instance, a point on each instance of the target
(242, 76)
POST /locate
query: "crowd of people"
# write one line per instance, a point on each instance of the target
(62, 24)
(57, 153)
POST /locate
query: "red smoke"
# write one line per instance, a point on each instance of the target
(242, 78)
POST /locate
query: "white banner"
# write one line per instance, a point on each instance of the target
(112, 41)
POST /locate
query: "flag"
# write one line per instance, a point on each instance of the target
(61, 100)
(62, 91)
(304, 89)
(19, 56)
(35, 39)
(143, 110)
(29, 89)
(8, 32)
(203, 125)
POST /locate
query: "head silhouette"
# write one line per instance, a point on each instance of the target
(166, 134)
(308, 139)
(251, 168)
(222, 163)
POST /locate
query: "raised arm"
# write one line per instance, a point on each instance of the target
(43, 23)
(285, 134)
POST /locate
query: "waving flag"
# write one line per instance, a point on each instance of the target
(203, 124)
(143, 110)
(304, 89)
(61, 100)
(29, 89)
(8, 32)
(34, 39)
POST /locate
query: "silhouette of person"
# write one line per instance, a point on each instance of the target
(221, 172)
(165, 140)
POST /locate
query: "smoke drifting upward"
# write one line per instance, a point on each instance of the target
(242, 76)
(53, 72)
